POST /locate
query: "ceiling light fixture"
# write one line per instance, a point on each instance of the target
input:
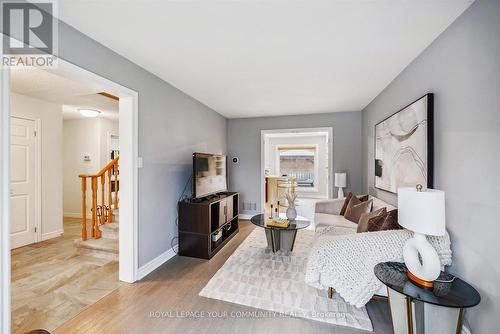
(89, 112)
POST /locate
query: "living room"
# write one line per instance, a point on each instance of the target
(246, 68)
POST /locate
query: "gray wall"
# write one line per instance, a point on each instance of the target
(172, 126)
(244, 142)
(462, 69)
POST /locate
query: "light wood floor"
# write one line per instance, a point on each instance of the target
(51, 284)
(173, 289)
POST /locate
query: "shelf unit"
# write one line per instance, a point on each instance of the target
(200, 220)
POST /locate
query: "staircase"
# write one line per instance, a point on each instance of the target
(106, 247)
(105, 213)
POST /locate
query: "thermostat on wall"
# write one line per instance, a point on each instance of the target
(86, 157)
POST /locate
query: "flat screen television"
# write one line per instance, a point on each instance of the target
(209, 174)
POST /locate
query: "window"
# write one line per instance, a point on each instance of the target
(298, 162)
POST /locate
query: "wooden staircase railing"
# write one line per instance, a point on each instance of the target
(98, 211)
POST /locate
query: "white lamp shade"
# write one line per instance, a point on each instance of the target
(341, 180)
(422, 211)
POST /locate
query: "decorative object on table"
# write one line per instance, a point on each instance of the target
(443, 307)
(278, 222)
(280, 238)
(276, 187)
(423, 212)
(404, 147)
(291, 212)
(340, 182)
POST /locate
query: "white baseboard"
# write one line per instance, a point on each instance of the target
(156, 262)
(54, 234)
(75, 215)
(245, 216)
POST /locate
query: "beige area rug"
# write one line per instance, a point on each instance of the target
(253, 276)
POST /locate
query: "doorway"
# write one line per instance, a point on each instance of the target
(128, 105)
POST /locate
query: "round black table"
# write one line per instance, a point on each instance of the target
(443, 306)
(280, 238)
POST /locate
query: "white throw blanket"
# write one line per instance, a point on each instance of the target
(345, 262)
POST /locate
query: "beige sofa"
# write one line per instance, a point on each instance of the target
(327, 213)
(327, 217)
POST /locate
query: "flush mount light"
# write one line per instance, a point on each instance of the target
(89, 112)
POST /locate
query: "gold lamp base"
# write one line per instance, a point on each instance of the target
(420, 282)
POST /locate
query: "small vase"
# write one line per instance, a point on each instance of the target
(291, 213)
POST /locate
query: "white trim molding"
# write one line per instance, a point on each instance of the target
(51, 235)
(75, 215)
(157, 262)
(4, 201)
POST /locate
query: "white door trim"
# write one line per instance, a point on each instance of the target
(38, 175)
(4, 201)
(263, 133)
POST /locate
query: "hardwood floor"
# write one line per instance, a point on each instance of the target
(51, 284)
(167, 301)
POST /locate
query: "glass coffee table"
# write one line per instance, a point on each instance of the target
(280, 238)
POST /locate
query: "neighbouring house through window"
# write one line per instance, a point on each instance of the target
(298, 162)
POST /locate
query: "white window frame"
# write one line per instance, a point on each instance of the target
(263, 134)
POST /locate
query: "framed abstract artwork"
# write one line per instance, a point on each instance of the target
(404, 147)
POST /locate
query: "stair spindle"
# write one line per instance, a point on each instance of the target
(103, 179)
(84, 208)
(110, 215)
(115, 170)
(95, 228)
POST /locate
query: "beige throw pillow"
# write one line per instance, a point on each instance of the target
(356, 208)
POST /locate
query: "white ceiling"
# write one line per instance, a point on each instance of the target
(260, 58)
(72, 95)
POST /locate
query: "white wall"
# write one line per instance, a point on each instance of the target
(50, 135)
(83, 137)
(321, 160)
(107, 127)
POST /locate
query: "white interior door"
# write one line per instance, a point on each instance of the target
(23, 182)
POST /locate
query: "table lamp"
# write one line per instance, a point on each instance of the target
(423, 212)
(340, 182)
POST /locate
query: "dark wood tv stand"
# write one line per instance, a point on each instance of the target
(200, 219)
